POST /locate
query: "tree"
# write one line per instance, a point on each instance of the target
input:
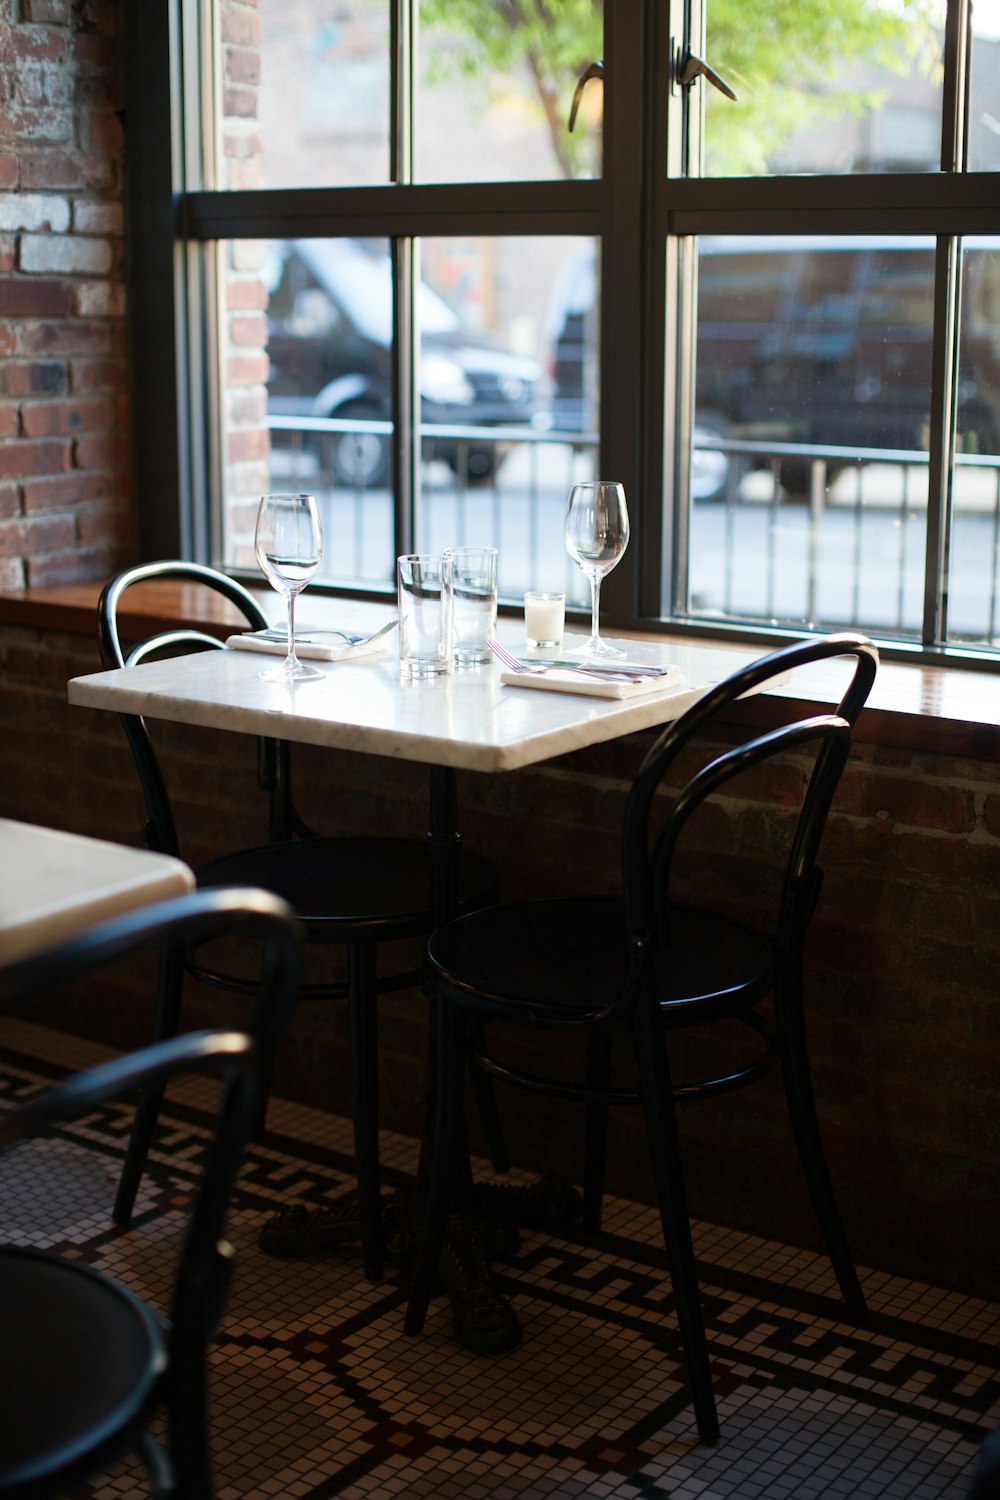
(792, 62)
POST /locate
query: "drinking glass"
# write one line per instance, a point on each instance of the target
(596, 533)
(289, 545)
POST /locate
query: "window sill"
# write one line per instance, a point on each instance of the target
(938, 709)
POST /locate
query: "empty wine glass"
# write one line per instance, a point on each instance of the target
(289, 545)
(596, 533)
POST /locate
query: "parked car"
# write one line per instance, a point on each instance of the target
(820, 341)
(329, 345)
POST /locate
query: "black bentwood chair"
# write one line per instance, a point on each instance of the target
(649, 966)
(351, 892)
(84, 1362)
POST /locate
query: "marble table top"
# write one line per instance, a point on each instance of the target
(53, 884)
(469, 720)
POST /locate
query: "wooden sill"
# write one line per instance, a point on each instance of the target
(937, 709)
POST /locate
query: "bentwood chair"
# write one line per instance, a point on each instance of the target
(350, 892)
(85, 1363)
(648, 965)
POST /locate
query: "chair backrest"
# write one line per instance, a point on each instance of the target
(274, 762)
(649, 850)
(205, 1264)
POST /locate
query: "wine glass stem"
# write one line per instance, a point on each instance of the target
(595, 610)
(291, 660)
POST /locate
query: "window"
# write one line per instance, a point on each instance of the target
(373, 260)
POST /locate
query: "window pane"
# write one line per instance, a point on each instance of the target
(984, 93)
(507, 387)
(975, 537)
(305, 94)
(496, 85)
(499, 461)
(831, 88)
(809, 468)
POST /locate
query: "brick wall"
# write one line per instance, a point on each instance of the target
(64, 490)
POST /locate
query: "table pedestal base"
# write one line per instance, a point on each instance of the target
(483, 1320)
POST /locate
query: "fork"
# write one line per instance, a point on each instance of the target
(513, 664)
(280, 633)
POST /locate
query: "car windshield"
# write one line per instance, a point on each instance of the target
(359, 282)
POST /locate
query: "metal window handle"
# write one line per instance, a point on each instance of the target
(695, 67)
(596, 70)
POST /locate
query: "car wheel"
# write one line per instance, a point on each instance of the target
(480, 463)
(356, 460)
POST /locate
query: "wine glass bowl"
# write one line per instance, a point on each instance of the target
(289, 545)
(596, 533)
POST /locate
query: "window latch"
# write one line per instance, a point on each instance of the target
(595, 70)
(695, 67)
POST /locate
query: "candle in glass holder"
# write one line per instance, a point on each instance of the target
(544, 615)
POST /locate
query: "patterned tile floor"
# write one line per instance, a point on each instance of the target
(316, 1391)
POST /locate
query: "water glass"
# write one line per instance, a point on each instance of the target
(475, 602)
(425, 614)
(544, 619)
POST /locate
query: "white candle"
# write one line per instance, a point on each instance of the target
(543, 618)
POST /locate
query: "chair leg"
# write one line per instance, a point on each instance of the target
(797, 1077)
(595, 1141)
(484, 1092)
(449, 1081)
(656, 1093)
(364, 1101)
(165, 1023)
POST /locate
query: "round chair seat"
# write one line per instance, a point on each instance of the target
(343, 889)
(81, 1359)
(571, 957)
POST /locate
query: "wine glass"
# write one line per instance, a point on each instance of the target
(289, 546)
(596, 533)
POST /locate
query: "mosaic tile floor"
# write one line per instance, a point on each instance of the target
(316, 1391)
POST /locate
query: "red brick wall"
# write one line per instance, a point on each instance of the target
(64, 490)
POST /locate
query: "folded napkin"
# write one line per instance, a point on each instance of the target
(559, 680)
(309, 647)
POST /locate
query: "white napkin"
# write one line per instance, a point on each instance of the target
(556, 680)
(310, 649)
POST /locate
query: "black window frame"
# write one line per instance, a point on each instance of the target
(646, 211)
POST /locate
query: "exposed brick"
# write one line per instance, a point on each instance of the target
(50, 169)
(37, 534)
(71, 336)
(991, 813)
(8, 253)
(8, 422)
(50, 417)
(106, 133)
(247, 369)
(10, 500)
(97, 375)
(905, 799)
(9, 170)
(11, 574)
(248, 331)
(243, 65)
(246, 292)
(53, 493)
(100, 524)
(24, 297)
(33, 212)
(240, 27)
(100, 299)
(247, 445)
(47, 12)
(21, 458)
(74, 565)
(93, 217)
(65, 253)
(102, 450)
(240, 103)
(40, 378)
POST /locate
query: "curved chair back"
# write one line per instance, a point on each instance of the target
(274, 760)
(648, 850)
(205, 1266)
